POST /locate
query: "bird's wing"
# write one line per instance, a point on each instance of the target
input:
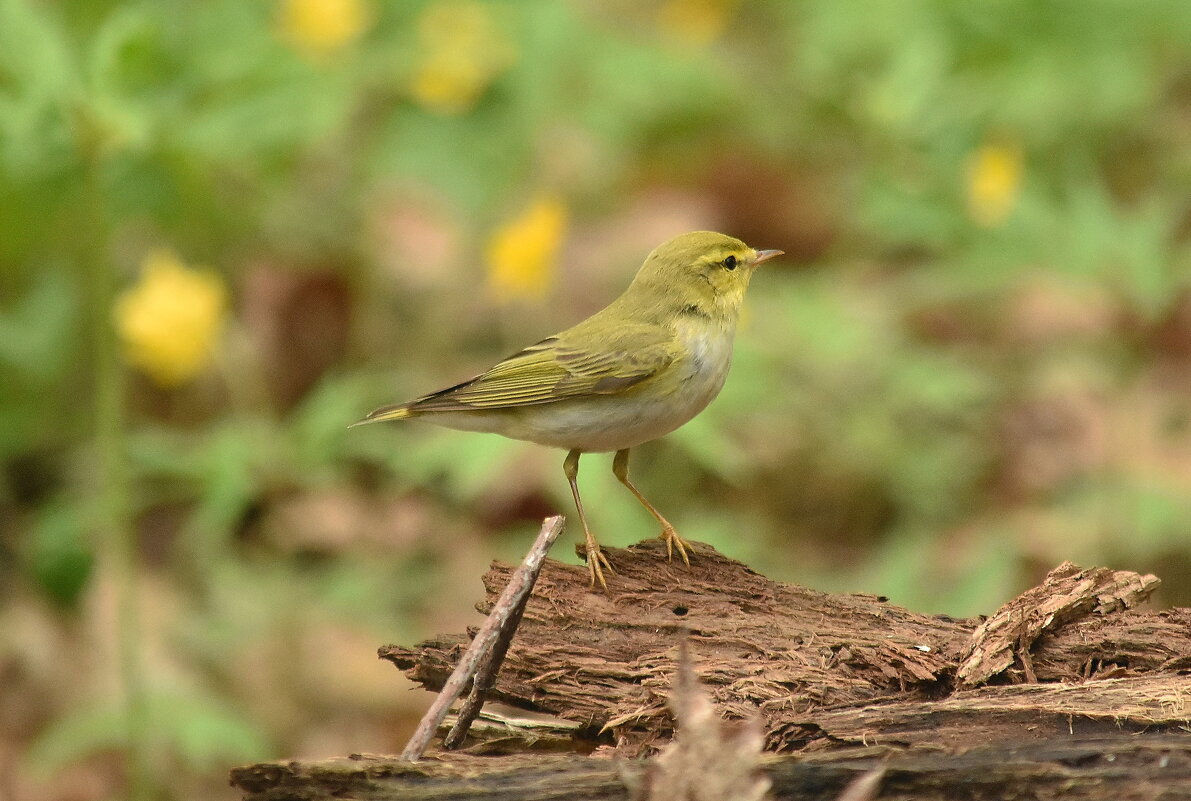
(555, 369)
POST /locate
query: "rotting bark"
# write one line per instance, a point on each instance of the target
(1011, 713)
(1070, 692)
(1067, 594)
(606, 660)
(825, 668)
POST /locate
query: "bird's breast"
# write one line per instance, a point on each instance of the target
(710, 354)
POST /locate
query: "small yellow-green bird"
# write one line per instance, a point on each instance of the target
(633, 372)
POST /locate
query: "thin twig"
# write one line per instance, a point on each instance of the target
(487, 646)
(486, 674)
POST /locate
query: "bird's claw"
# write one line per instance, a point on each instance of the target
(596, 562)
(673, 540)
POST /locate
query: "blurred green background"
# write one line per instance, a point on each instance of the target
(228, 229)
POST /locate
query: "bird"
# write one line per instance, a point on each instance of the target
(632, 372)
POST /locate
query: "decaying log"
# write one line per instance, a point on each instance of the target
(1067, 691)
(822, 668)
(1146, 767)
(605, 659)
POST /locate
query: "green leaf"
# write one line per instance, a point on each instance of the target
(37, 330)
(124, 39)
(39, 348)
(207, 732)
(84, 729)
(38, 80)
(58, 552)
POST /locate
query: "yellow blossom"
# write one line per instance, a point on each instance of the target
(169, 321)
(994, 182)
(696, 22)
(449, 83)
(323, 27)
(522, 254)
(460, 52)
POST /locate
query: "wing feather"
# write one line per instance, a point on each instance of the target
(555, 369)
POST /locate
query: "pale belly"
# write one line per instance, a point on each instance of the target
(609, 422)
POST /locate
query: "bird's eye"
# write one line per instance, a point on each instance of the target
(730, 263)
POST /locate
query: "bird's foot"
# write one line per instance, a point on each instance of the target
(675, 542)
(596, 563)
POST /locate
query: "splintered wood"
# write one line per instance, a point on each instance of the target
(823, 670)
(1067, 594)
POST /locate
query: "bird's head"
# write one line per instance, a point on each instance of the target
(702, 269)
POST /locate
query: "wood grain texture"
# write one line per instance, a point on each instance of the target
(1150, 767)
(810, 662)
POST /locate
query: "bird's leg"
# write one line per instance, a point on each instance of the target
(620, 469)
(596, 560)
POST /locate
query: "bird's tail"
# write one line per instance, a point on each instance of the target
(397, 412)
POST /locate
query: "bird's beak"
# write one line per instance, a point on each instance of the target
(766, 255)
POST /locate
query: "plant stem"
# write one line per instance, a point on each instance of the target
(117, 540)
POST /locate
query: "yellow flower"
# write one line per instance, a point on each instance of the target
(696, 22)
(170, 320)
(449, 83)
(994, 183)
(323, 27)
(460, 52)
(522, 254)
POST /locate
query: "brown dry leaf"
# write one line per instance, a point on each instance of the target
(709, 759)
(865, 787)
